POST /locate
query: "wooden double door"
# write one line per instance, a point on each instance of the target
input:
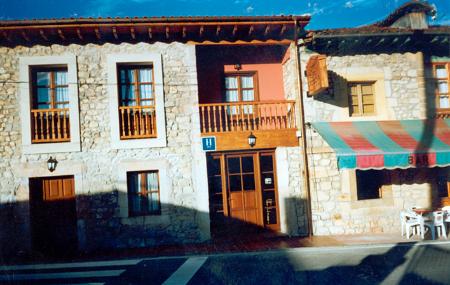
(53, 215)
(242, 191)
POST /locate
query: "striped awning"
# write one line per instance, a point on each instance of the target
(388, 144)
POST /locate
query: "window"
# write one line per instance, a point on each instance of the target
(442, 77)
(49, 104)
(361, 98)
(136, 101)
(136, 96)
(443, 187)
(50, 88)
(240, 87)
(369, 184)
(143, 193)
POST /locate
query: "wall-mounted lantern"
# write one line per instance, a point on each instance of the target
(251, 140)
(237, 66)
(51, 164)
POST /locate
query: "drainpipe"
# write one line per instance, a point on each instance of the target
(305, 172)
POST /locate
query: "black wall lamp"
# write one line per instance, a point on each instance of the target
(51, 164)
(251, 140)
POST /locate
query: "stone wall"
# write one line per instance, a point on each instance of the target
(336, 209)
(401, 92)
(100, 224)
(401, 95)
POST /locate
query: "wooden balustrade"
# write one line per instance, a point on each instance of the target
(137, 122)
(443, 114)
(50, 125)
(247, 116)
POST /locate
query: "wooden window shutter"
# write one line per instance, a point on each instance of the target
(316, 74)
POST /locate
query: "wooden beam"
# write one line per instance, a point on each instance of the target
(167, 32)
(24, 35)
(264, 139)
(382, 40)
(97, 34)
(202, 29)
(61, 35)
(6, 36)
(407, 40)
(184, 32)
(41, 32)
(283, 29)
(266, 30)
(137, 24)
(394, 41)
(114, 31)
(218, 31)
(434, 39)
(250, 30)
(133, 35)
(241, 42)
(150, 34)
(235, 28)
(80, 36)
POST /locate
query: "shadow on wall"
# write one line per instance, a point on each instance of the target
(37, 229)
(337, 93)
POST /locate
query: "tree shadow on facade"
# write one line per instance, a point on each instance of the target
(102, 226)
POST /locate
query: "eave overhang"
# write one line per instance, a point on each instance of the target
(373, 40)
(196, 30)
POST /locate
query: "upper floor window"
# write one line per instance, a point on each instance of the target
(49, 105)
(143, 193)
(136, 101)
(361, 98)
(240, 87)
(442, 77)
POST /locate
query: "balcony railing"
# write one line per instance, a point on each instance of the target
(137, 122)
(50, 125)
(443, 113)
(247, 116)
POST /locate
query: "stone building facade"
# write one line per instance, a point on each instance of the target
(99, 163)
(404, 87)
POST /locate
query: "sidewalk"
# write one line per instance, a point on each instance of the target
(217, 246)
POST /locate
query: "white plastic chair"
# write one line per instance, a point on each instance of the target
(446, 211)
(410, 221)
(437, 222)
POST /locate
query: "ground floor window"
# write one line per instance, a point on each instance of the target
(369, 184)
(143, 193)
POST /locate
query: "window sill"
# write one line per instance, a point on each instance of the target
(51, 148)
(386, 201)
(162, 219)
(138, 143)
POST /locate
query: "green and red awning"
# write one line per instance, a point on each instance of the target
(388, 144)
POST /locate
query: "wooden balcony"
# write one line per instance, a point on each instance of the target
(443, 113)
(247, 116)
(137, 122)
(50, 125)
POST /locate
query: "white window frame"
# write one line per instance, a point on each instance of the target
(25, 93)
(165, 188)
(155, 59)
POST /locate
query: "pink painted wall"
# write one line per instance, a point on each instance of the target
(214, 61)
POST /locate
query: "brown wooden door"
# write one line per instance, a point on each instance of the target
(53, 215)
(243, 193)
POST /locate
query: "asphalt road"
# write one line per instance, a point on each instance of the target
(427, 263)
